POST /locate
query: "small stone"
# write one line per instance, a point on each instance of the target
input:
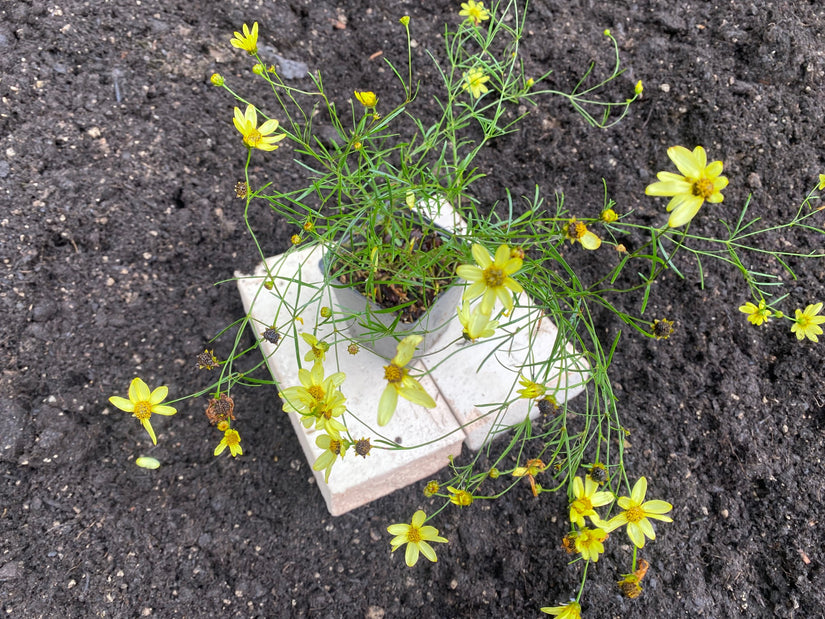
(754, 181)
(10, 571)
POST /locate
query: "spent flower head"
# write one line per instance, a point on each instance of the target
(474, 12)
(248, 41)
(757, 314)
(491, 278)
(400, 383)
(253, 135)
(416, 536)
(532, 390)
(637, 513)
(699, 182)
(142, 403)
(806, 324)
(474, 81)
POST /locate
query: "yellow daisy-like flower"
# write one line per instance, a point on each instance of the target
(806, 324)
(698, 183)
(608, 216)
(318, 350)
(586, 499)
(474, 11)
(333, 446)
(590, 543)
(142, 403)
(253, 135)
(474, 81)
(462, 498)
(576, 231)
(476, 324)
(415, 535)
(532, 390)
(400, 383)
(571, 610)
(230, 439)
(636, 514)
(317, 399)
(366, 98)
(248, 41)
(757, 314)
(491, 278)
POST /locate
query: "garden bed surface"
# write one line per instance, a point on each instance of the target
(117, 170)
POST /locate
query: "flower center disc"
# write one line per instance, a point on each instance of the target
(317, 392)
(143, 410)
(635, 514)
(493, 276)
(393, 373)
(253, 137)
(703, 188)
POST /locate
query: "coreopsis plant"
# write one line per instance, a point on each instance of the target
(388, 208)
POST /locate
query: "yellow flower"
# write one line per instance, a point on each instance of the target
(476, 324)
(462, 498)
(577, 231)
(254, 136)
(230, 439)
(313, 389)
(474, 80)
(474, 11)
(589, 542)
(491, 278)
(405, 20)
(366, 98)
(608, 216)
(400, 383)
(699, 182)
(571, 610)
(806, 324)
(531, 389)
(586, 499)
(757, 315)
(415, 536)
(216, 79)
(333, 446)
(639, 88)
(142, 403)
(319, 349)
(636, 513)
(247, 41)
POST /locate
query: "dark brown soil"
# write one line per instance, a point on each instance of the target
(117, 169)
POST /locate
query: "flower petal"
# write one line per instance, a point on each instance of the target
(637, 495)
(481, 256)
(387, 405)
(160, 409)
(138, 391)
(123, 404)
(415, 393)
(684, 212)
(470, 272)
(158, 395)
(411, 554)
(689, 164)
(634, 532)
(657, 507)
(427, 551)
(148, 427)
